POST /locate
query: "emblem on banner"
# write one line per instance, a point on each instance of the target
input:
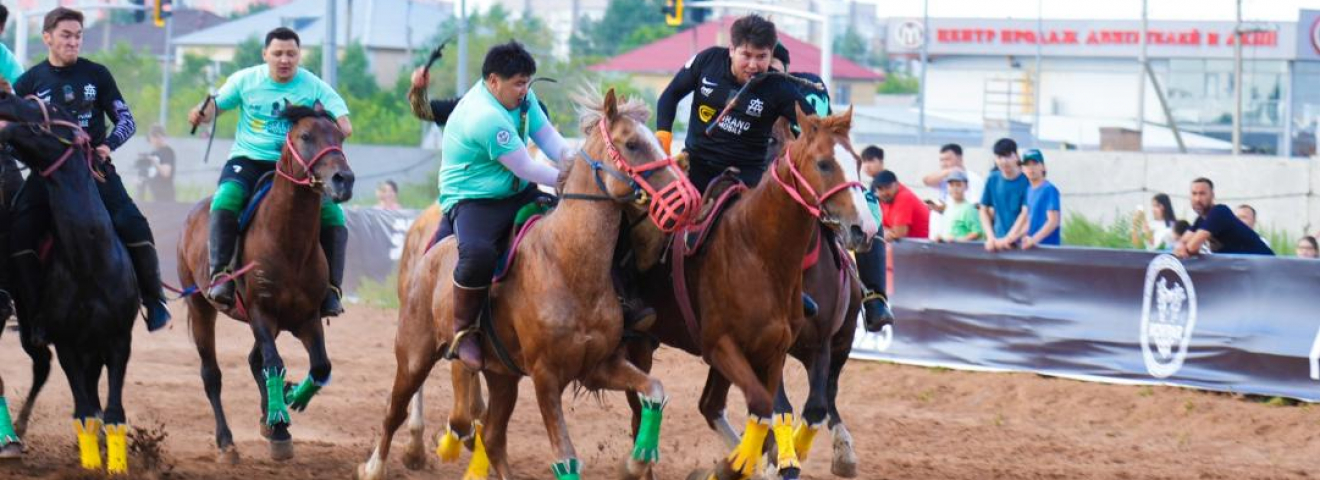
(1168, 316)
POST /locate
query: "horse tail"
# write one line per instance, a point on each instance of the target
(416, 244)
(41, 356)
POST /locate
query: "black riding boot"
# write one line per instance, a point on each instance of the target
(334, 240)
(467, 307)
(637, 315)
(147, 268)
(224, 234)
(28, 290)
(878, 313)
(6, 300)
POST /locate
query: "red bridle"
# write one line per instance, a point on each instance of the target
(817, 207)
(310, 180)
(672, 207)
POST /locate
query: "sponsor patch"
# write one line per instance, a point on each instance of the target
(705, 113)
(503, 137)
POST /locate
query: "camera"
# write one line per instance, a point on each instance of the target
(144, 165)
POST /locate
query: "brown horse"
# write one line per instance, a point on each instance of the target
(747, 282)
(555, 312)
(284, 290)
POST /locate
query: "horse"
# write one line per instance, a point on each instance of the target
(555, 312)
(89, 296)
(747, 283)
(284, 289)
(822, 346)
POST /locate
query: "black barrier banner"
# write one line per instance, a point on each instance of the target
(1233, 323)
(375, 240)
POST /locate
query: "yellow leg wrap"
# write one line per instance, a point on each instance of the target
(450, 447)
(479, 467)
(89, 446)
(802, 438)
(747, 457)
(116, 449)
(788, 457)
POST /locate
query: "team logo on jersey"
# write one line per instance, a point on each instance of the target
(707, 83)
(705, 113)
(503, 137)
(755, 107)
(89, 92)
(1168, 316)
(706, 91)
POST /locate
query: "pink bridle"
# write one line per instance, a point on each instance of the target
(310, 180)
(666, 203)
(816, 209)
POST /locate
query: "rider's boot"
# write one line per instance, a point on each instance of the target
(334, 240)
(28, 290)
(147, 268)
(878, 313)
(637, 315)
(809, 306)
(6, 299)
(224, 234)
(467, 307)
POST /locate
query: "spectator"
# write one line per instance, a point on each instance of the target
(961, 223)
(873, 162)
(904, 215)
(1004, 196)
(1041, 216)
(1217, 227)
(1155, 233)
(1247, 214)
(951, 160)
(1307, 248)
(157, 167)
(387, 195)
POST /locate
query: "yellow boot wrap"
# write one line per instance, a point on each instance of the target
(479, 467)
(802, 438)
(788, 457)
(746, 458)
(116, 449)
(89, 445)
(450, 447)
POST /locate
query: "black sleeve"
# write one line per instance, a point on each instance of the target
(110, 101)
(684, 82)
(23, 87)
(788, 95)
(166, 156)
(441, 109)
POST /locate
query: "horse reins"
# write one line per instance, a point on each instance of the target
(818, 209)
(310, 180)
(81, 141)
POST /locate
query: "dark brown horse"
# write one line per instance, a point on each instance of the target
(283, 292)
(555, 312)
(746, 284)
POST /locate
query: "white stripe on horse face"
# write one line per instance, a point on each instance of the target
(851, 169)
(655, 142)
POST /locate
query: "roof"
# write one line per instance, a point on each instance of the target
(377, 24)
(143, 35)
(667, 55)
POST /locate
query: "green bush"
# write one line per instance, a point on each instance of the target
(1079, 231)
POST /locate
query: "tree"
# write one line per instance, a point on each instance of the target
(355, 76)
(246, 54)
(616, 31)
(852, 46)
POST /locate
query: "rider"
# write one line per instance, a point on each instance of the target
(260, 93)
(10, 178)
(870, 264)
(88, 91)
(487, 175)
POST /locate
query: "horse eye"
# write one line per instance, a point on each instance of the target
(825, 166)
(305, 136)
(631, 145)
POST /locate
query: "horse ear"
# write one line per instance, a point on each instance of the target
(611, 107)
(805, 121)
(318, 107)
(845, 119)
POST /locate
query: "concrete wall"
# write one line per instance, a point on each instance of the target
(1103, 185)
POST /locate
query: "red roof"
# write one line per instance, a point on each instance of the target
(667, 55)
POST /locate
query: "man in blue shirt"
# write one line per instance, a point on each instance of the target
(1004, 196)
(1218, 227)
(1040, 219)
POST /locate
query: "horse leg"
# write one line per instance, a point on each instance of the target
(85, 422)
(714, 399)
(312, 336)
(617, 374)
(729, 359)
(414, 359)
(268, 369)
(845, 458)
(116, 421)
(468, 405)
(549, 393)
(495, 432)
(10, 446)
(641, 355)
(816, 409)
(41, 358)
(201, 318)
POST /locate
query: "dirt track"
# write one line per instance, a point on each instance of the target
(908, 422)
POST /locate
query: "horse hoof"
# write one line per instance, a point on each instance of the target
(227, 456)
(700, 474)
(633, 470)
(414, 459)
(281, 450)
(791, 473)
(13, 451)
(844, 466)
(363, 473)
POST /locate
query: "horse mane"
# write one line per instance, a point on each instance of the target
(295, 113)
(591, 108)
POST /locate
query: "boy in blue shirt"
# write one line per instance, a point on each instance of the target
(1040, 219)
(1003, 198)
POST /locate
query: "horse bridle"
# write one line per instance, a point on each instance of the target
(664, 204)
(817, 206)
(309, 180)
(80, 141)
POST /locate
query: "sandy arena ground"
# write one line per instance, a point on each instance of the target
(908, 422)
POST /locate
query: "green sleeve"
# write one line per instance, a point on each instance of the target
(496, 135)
(330, 99)
(230, 95)
(9, 66)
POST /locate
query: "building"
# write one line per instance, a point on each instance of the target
(143, 35)
(389, 29)
(984, 71)
(652, 66)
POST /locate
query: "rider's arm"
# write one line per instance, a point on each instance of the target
(788, 96)
(667, 107)
(525, 167)
(335, 106)
(112, 103)
(551, 142)
(344, 125)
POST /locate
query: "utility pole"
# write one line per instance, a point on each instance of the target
(461, 81)
(1040, 39)
(1141, 75)
(1237, 82)
(167, 66)
(329, 48)
(921, 87)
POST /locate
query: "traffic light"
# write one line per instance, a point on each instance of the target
(163, 9)
(139, 16)
(673, 11)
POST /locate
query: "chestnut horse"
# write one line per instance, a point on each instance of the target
(747, 282)
(283, 291)
(555, 312)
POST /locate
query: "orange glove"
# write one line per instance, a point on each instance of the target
(666, 138)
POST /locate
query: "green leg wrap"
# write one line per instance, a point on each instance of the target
(229, 196)
(570, 469)
(647, 445)
(332, 215)
(302, 394)
(277, 412)
(7, 435)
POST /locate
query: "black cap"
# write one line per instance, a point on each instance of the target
(781, 54)
(884, 179)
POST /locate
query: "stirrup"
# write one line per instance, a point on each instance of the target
(459, 336)
(875, 296)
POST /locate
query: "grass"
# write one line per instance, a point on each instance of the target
(381, 294)
(1079, 231)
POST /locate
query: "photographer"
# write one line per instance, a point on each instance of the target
(157, 168)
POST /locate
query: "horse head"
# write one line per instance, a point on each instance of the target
(616, 132)
(819, 170)
(39, 133)
(313, 153)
